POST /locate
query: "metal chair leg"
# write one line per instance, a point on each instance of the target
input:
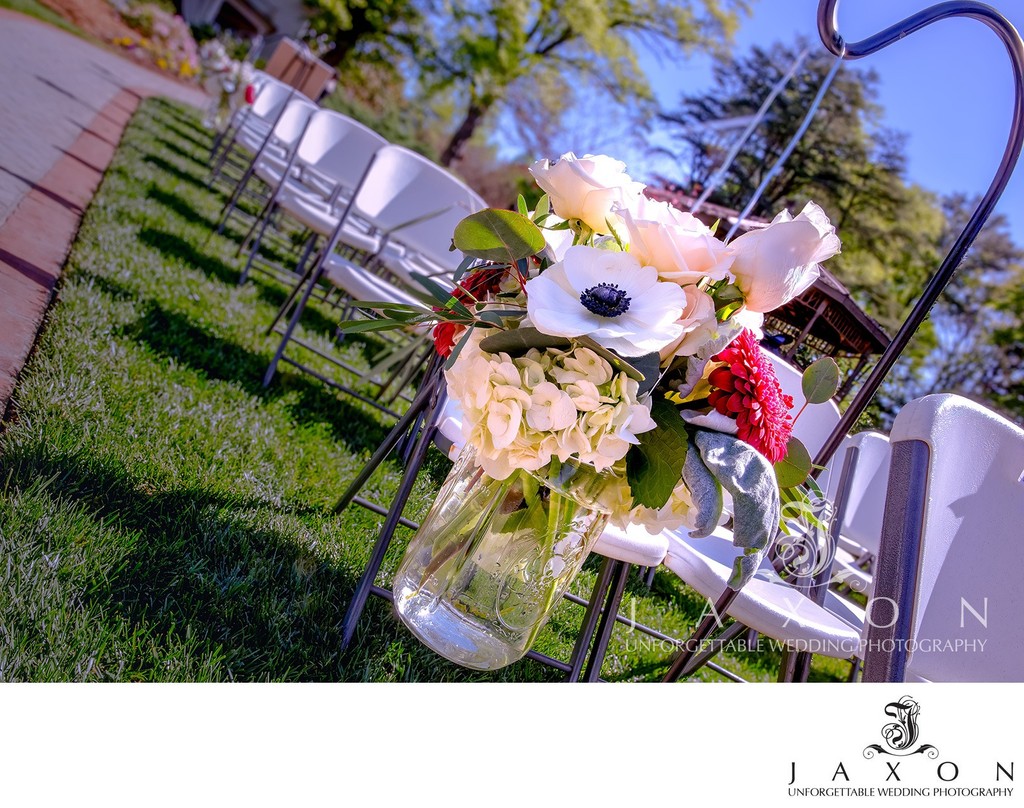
(604, 631)
(292, 323)
(683, 661)
(380, 547)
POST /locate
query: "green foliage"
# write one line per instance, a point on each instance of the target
(971, 343)
(498, 235)
(820, 381)
(483, 48)
(363, 29)
(654, 467)
(844, 162)
(795, 467)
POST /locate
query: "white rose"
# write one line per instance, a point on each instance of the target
(678, 244)
(698, 313)
(777, 263)
(586, 188)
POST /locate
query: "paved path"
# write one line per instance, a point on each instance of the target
(64, 104)
(52, 84)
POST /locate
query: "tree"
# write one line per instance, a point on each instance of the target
(971, 343)
(376, 27)
(845, 162)
(484, 47)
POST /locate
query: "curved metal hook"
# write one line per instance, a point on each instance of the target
(828, 25)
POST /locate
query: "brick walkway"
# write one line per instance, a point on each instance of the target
(64, 104)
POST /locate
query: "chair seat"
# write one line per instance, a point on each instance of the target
(633, 545)
(321, 217)
(254, 140)
(364, 285)
(766, 604)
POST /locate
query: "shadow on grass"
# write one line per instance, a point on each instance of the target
(192, 584)
(176, 248)
(199, 573)
(164, 165)
(174, 336)
(191, 156)
(186, 211)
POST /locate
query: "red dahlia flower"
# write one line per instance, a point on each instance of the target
(473, 287)
(747, 389)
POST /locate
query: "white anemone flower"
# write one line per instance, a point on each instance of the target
(608, 296)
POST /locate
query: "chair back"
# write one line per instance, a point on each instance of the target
(432, 237)
(338, 147)
(865, 490)
(270, 100)
(293, 121)
(816, 423)
(413, 200)
(951, 548)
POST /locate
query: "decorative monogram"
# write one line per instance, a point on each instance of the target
(901, 735)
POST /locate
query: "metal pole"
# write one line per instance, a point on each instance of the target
(828, 16)
(719, 175)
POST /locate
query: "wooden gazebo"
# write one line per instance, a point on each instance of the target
(825, 319)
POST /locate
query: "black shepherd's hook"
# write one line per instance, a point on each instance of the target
(828, 24)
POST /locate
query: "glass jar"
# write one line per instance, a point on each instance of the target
(493, 557)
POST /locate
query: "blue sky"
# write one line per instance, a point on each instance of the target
(949, 87)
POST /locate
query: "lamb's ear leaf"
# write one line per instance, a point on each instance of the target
(746, 474)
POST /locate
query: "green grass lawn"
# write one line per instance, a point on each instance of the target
(165, 518)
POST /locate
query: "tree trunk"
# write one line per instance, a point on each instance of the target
(474, 115)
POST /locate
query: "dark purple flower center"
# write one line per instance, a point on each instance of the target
(605, 300)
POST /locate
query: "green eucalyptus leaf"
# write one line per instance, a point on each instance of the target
(516, 342)
(795, 467)
(820, 381)
(463, 267)
(521, 206)
(654, 467)
(498, 235)
(363, 326)
(649, 366)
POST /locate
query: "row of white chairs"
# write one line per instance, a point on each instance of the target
(374, 214)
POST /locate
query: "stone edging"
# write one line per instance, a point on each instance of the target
(37, 236)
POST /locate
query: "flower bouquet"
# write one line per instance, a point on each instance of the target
(227, 80)
(603, 362)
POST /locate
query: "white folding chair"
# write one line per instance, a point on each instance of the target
(859, 500)
(330, 159)
(275, 148)
(253, 123)
(400, 189)
(948, 605)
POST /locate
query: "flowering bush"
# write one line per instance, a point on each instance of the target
(165, 37)
(634, 349)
